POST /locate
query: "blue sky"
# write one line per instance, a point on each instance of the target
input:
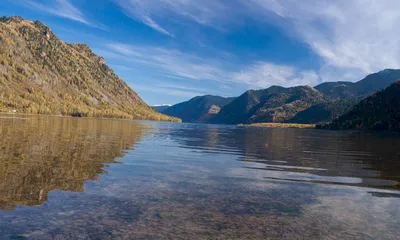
(172, 50)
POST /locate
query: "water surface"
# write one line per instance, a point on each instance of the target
(68, 178)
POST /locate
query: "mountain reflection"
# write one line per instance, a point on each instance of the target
(349, 158)
(38, 155)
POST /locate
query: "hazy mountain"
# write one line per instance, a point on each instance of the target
(161, 108)
(39, 73)
(369, 85)
(380, 111)
(198, 109)
(274, 104)
(337, 90)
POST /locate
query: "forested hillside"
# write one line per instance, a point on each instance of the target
(380, 111)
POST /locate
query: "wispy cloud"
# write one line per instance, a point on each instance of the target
(170, 91)
(141, 11)
(349, 38)
(352, 38)
(264, 74)
(183, 88)
(183, 66)
(170, 63)
(156, 13)
(63, 8)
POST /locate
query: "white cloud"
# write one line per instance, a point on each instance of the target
(162, 105)
(62, 8)
(353, 38)
(264, 74)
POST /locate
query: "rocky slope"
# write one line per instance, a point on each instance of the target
(40, 73)
(274, 104)
(198, 109)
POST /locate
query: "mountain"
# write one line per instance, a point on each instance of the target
(337, 90)
(40, 73)
(198, 109)
(161, 108)
(274, 104)
(362, 88)
(302, 104)
(380, 111)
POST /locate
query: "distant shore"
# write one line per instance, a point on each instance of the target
(20, 115)
(278, 125)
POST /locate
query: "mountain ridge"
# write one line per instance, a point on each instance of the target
(366, 86)
(321, 104)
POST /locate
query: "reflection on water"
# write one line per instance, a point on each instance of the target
(41, 155)
(180, 181)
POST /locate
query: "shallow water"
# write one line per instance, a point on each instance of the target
(67, 178)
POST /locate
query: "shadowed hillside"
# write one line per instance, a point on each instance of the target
(380, 111)
(323, 112)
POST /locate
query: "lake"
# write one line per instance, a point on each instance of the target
(76, 178)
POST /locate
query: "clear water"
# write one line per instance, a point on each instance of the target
(64, 178)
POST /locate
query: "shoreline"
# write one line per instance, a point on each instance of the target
(279, 125)
(69, 116)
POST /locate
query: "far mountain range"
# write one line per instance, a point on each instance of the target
(302, 104)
